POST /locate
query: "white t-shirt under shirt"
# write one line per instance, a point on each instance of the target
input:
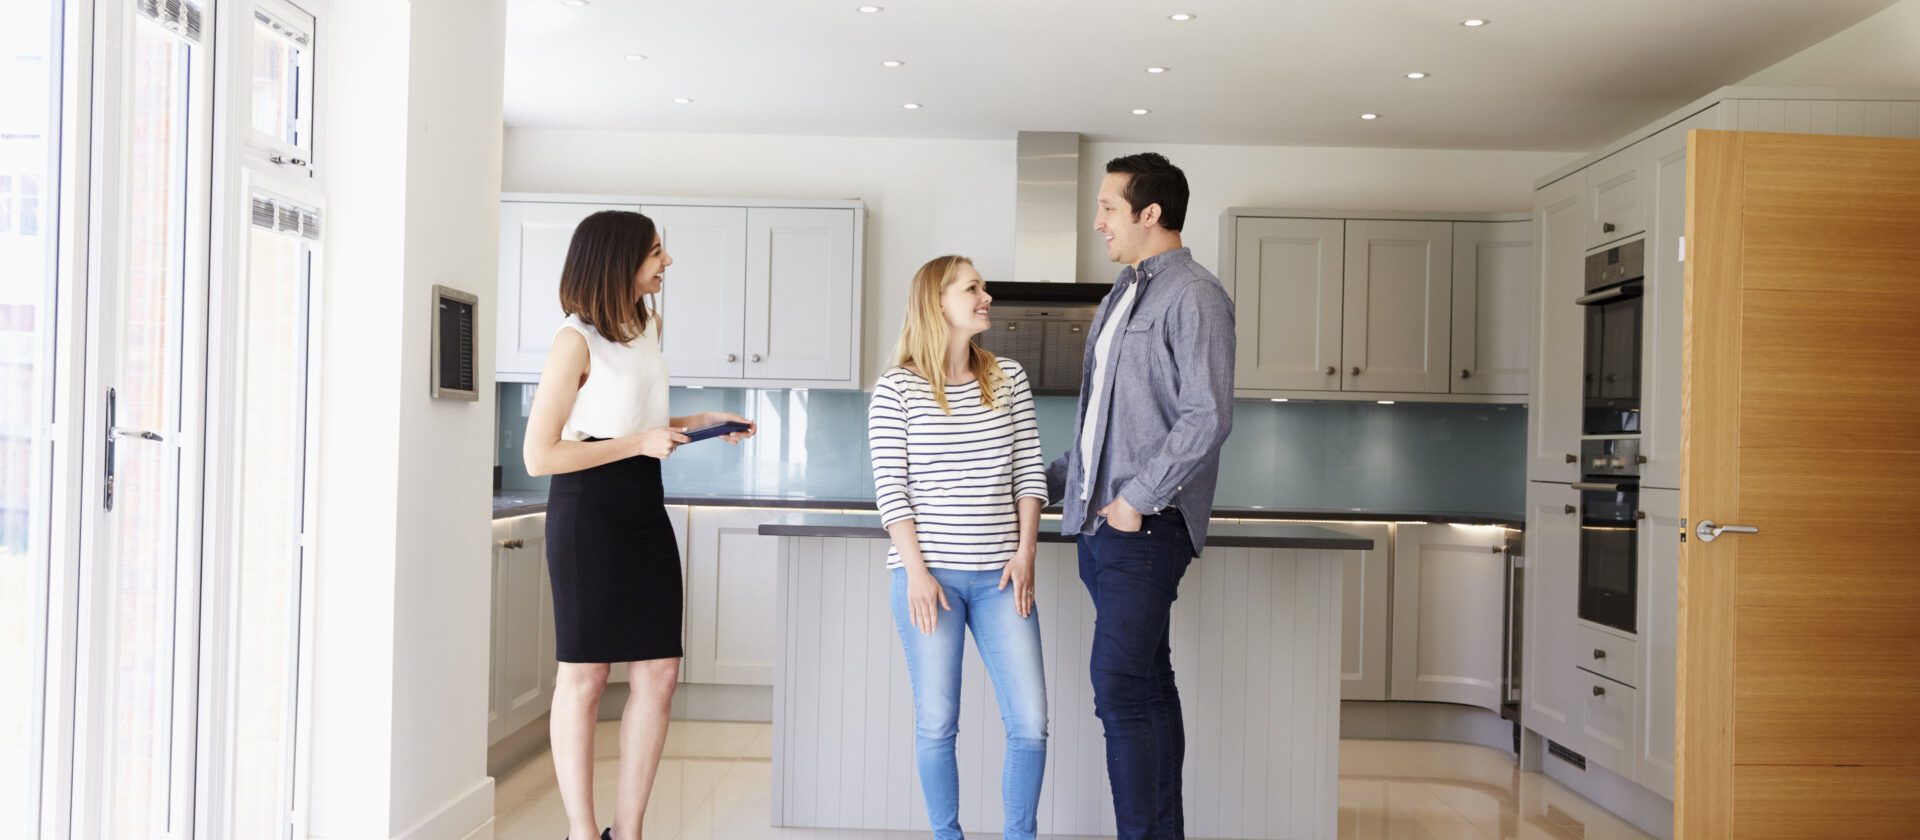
(957, 476)
(1102, 351)
(626, 388)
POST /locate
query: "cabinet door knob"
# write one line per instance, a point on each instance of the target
(1569, 509)
(1572, 458)
(1466, 374)
(732, 358)
(1331, 370)
(1599, 691)
(513, 544)
(754, 358)
(1356, 370)
(1599, 654)
(1606, 227)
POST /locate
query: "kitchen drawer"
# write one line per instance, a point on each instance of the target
(1607, 722)
(1606, 654)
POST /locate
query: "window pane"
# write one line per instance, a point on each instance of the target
(29, 107)
(272, 456)
(276, 83)
(145, 512)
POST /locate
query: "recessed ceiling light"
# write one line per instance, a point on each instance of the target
(912, 106)
(1473, 23)
(636, 57)
(1156, 70)
(1279, 399)
(1416, 75)
(681, 100)
(893, 62)
(1369, 116)
(1141, 112)
(574, 3)
(872, 10)
(1182, 17)
(1386, 402)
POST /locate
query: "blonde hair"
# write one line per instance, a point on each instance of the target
(924, 335)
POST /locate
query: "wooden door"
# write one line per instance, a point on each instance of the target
(1287, 275)
(1398, 307)
(1799, 698)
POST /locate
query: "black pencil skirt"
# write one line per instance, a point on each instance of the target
(614, 565)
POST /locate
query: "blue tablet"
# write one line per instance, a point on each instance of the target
(716, 430)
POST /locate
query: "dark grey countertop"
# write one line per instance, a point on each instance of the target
(1220, 535)
(521, 502)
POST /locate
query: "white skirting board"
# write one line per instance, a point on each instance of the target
(1256, 639)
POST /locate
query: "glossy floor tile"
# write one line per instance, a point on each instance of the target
(715, 782)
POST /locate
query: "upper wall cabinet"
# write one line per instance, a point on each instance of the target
(1492, 307)
(1616, 197)
(1333, 308)
(760, 294)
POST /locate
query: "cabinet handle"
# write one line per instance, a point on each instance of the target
(1356, 370)
(754, 358)
(513, 544)
(1599, 691)
(732, 358)
(1331, 370)
(1572, 458)
(1599, 654)
(1570, 509)
(1606, 227)
(1466, 374)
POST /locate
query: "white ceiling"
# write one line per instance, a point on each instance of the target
(1543, 74)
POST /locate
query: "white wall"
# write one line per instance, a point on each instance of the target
(931, 197)
(1882, 51)
(409, 147)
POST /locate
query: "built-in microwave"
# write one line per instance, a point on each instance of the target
(1610, 392)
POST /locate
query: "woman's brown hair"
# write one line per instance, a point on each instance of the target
(596, 282)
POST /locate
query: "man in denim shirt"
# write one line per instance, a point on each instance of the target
(1156, 403)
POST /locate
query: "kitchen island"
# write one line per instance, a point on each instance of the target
(1256, 647)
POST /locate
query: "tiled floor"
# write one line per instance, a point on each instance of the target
(715, 781)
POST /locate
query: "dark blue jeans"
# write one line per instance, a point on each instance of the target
(1134, 579)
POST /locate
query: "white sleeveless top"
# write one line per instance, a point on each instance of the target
(626, 388)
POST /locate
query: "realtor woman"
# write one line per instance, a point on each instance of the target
(600, 427)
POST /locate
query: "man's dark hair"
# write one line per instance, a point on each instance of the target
(1154, 180)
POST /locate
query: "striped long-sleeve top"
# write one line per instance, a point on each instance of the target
(957, 475)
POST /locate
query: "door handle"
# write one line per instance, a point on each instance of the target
(1331, 370)
(1708, 531)
(1599, 691)
(1356, 370)
(732, 358)
(111, 454)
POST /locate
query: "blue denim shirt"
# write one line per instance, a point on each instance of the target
(1168, 395)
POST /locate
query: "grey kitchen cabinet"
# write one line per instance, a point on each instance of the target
(1664, 306)
(533, 247)
(677, 515)
(762, 294)
(1398, 306)
(1553, 415)
(1380, 307)
(708, 276)
(1449, 615)
(1364, 613)
(1616, 203)
(1287, 303)
(731, 579)
(1659, 639)
(1550, 678)
(1492, 307)
(521, 687)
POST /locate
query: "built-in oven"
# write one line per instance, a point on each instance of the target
(1609, 532)
(1615, 281)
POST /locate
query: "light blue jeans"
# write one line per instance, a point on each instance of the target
(1010, 647)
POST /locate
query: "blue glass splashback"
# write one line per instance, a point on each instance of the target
(1406, 456)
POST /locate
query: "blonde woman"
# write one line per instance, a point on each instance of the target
(960, 483)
